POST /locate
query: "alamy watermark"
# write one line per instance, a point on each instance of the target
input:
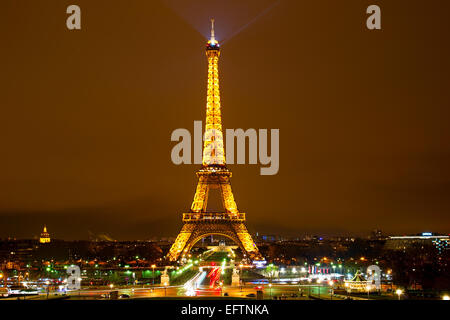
(73, 21)
(257, 141)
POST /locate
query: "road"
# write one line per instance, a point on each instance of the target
(286, 291)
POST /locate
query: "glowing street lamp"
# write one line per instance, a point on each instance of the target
(48, 287)
(331, 283)
(347, 288)
(368, 288)
(399, 293)
(446, 297)
(319, 281)
(153, 273)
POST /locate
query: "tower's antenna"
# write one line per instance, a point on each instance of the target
(213, 38)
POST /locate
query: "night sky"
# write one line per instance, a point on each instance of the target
(86, 116)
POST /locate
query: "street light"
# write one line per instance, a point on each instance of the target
(48, 288)
(399, 293)
(446, 297)
(319, 281)
(153, 273)
(330, 283)
(309, 287)
(368, 290)
(2, 276)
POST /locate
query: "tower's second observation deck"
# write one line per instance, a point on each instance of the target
(213, 216)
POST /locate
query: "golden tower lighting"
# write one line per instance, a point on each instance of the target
(214, 174)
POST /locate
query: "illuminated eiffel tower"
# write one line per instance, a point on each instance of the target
(214, 174)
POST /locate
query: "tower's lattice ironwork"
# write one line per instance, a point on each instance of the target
(214, 174)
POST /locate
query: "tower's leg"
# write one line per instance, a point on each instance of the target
(201, 196)
(228, 198)
(180, 242)
(247, 241)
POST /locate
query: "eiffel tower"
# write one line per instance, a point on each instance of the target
(214, 174)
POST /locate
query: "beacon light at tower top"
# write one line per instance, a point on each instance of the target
(213, 43)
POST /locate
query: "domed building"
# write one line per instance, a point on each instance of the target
(45, 236)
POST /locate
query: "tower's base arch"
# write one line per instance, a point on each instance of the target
(199, 226)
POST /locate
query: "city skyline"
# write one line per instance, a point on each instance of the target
(102, 235)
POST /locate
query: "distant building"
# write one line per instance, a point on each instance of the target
(267, 237)
(441, 242)
(45, 236)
